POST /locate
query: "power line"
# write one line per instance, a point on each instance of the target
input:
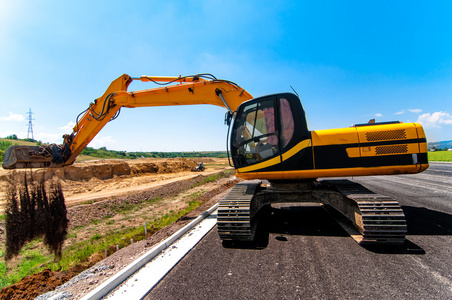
(30, 125)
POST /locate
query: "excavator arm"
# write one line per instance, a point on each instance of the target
(187, 90)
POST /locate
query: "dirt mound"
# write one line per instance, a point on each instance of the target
(28, 289)
(34, 285)
(205, 159)
(106, 169)
(77, 175)
(161, 167)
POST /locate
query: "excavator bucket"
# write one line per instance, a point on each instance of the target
(20, 157)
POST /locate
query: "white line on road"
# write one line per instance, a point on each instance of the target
(112, 283)
(417, 183)
(142, 282)
(446, 281)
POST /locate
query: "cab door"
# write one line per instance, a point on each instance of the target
(255, 142)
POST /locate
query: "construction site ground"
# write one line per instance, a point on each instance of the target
(107, 195)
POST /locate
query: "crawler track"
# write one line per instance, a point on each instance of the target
(379, 219)
(235, 213)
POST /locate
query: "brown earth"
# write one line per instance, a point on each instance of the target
(95, 189)
(98, 179)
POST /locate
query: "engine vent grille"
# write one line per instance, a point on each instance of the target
(395, 149)
(386, 135)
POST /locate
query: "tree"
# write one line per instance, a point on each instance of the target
(12, 137)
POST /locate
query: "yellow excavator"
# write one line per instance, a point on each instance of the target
(271, 148)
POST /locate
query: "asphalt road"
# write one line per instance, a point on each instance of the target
(304, 254)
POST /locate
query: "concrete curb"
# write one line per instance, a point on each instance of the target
(109, 285)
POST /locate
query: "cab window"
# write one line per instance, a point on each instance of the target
(255, 137)
(287, 122)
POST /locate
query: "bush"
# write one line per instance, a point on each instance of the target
(3, 146)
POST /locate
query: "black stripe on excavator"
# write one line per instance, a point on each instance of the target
(274, 168)
(393, 160)
(373, 144)
(335, 156)
(423, 158)
(378, 143)
(386, 143)
(300, 161)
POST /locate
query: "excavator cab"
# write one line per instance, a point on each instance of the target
(270, 140)
(264, 129)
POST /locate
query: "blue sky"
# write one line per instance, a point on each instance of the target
(350, 61)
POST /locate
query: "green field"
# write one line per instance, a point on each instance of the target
(91, 153)
(440, 156)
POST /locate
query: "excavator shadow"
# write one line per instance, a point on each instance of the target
(420, 221)
(424, 221)
(407, 247)
(302, 219)
(281, 221)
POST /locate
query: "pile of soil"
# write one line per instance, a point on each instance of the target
(105, 169)
(34, 285)
(93, 175)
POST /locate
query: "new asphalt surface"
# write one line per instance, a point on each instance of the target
(302, 253)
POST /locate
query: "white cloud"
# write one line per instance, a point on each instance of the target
(435, 119)
(13, 117)
(103, 141)
(412, 110)
(378, 115)
(68, 127)
(52, 138)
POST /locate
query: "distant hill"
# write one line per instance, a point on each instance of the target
(440, 145)
(90, 153)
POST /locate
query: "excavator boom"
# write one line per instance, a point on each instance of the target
(181, 90)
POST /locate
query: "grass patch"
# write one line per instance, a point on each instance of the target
(87, 202)
(124, 208)
(32, 262)
(215, 177)
(440, 156)
(193, 196)
(72, 235)
(2, 217)
(153, 200)
(80, 252)
(95, 237)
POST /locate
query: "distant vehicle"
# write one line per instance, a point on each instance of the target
(199, 168)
